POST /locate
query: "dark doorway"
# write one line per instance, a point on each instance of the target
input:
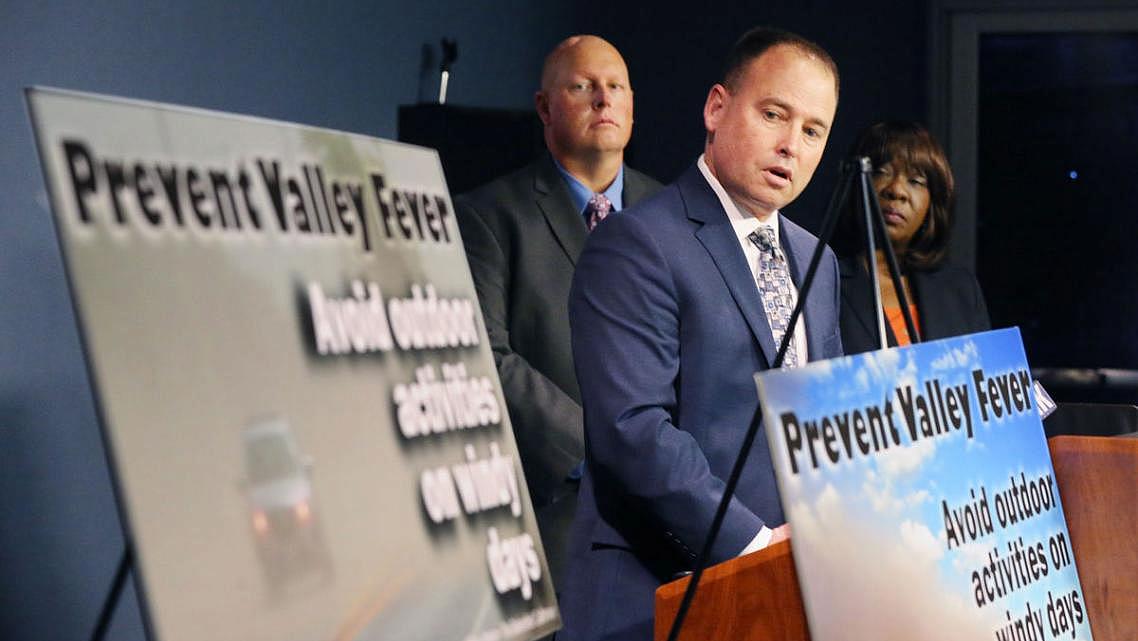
(1057, 194)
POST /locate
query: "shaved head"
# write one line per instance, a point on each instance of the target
(570, 49)
(585, 105)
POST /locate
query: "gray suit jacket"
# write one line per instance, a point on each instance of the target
(522, 237)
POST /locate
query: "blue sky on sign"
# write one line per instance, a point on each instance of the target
(868, 532)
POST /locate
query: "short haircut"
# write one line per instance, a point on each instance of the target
(758, 40)
(911, 146)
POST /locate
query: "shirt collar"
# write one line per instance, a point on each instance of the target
(743, 223)
(580, 194)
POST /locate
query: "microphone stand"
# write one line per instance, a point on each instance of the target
(857, 169)
(875, 224)
(112, 598)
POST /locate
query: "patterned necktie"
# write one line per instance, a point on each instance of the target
(774, 285)
(599, 206)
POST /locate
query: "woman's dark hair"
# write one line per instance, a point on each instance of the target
(911, 146)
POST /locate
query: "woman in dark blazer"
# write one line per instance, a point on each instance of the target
(914, 185)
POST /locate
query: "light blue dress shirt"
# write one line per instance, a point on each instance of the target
(581, 194)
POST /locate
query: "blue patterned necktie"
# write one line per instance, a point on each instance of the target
(599, 206)
(774, 286)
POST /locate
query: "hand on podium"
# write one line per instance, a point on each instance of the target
(767, 537)
(779, 534)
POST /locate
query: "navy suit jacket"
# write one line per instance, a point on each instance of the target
(668, 329)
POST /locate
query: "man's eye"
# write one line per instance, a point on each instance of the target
(579, 86)
(812, 132)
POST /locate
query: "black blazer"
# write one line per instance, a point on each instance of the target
(522, 236)
(949, 303)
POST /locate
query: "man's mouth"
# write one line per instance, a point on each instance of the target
(781, 173)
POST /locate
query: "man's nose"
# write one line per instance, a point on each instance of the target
(602, 97)
(788, 146)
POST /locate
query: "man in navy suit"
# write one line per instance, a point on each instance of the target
(668, 327)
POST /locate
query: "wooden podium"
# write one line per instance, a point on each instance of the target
(756, 597)
(1098, 485)
(751, 598)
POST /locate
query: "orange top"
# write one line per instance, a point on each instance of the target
(897, 323)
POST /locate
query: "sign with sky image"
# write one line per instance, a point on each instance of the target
(920, 494)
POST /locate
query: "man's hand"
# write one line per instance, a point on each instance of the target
(780, 533)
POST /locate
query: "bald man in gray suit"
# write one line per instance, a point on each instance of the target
(523, 233)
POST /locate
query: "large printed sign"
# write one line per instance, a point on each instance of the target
(308, 434)
(920, 495)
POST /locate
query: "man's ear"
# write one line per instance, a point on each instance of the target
(541, 103)
(713, 109)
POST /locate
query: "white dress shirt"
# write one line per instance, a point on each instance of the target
(743, 224)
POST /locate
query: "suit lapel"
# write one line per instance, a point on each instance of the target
(857, 289)
(858, 294)
(932, 310)
(552, 198)
(718, 238)
(798, 245)
(635, 187)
